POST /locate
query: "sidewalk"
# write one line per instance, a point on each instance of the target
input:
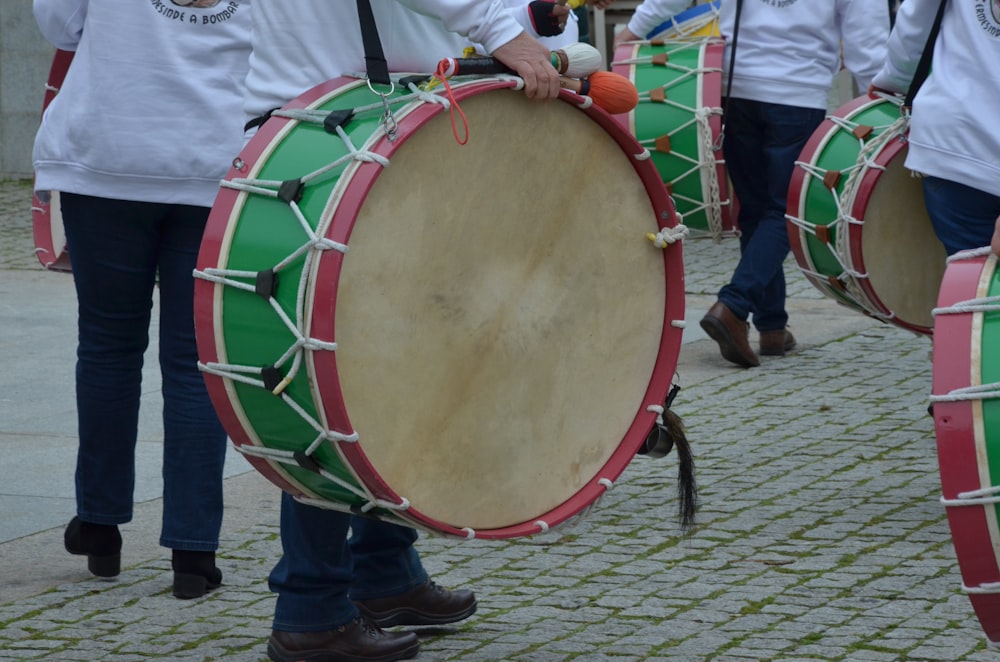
(820, 534)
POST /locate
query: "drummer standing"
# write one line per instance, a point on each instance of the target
(954, 139)
(334, 594)
(787, 53)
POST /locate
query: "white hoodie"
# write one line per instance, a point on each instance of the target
(788, 51)
(150, 109)
(299, 44)
(954, 128)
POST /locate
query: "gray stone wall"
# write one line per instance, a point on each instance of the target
(25, 57)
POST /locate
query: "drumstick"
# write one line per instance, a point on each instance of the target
(576, 60)
(612, 92)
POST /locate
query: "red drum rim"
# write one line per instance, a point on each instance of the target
(958, 429)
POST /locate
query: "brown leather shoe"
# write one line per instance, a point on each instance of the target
(427, 604)
(731, 333)
(358, 641)
(776, 343)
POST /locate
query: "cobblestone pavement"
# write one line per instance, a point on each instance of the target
(820, 534)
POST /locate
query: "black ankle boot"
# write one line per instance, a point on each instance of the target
(195, 573)
(100, 543)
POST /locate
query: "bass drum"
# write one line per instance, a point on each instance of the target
(438, 334)
(856, 218)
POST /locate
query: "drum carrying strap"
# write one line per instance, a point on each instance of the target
(378, 69)
(924, 66)
(732, 59)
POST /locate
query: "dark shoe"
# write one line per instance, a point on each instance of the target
(358, 641)
(731, 333)
(776, 343)
(195, 573)
(427, 604)
(100, 543)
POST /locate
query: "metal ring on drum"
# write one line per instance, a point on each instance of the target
(966, 407)
(856, 218)
(452, 337)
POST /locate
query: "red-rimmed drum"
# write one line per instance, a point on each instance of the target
(444, 335)
(46, 219)
(856, 217)
(966, 397)
(679, 119)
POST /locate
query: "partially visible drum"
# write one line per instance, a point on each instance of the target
(46, 219)
(702, 20)
(440, 335)
(856, 218)
(679, 119)
(966, 399)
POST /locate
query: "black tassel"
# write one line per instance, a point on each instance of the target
(687, 487)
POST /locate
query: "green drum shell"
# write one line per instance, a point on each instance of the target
(691, 166)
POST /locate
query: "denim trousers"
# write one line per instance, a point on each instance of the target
(963, 217)
(321, 570)
(761, 143)
(117, 250)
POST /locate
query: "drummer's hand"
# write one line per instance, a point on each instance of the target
(600, 4)
(625, 35)
(532, 62)
(995, 242)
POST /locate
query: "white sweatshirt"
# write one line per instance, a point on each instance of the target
(788, 51)
(299, 44)
(151, 107)
(954, 132)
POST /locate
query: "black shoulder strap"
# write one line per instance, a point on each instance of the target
(732, 53)
(378, 68)
(924, 66)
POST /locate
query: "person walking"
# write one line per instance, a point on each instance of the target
(142, 130)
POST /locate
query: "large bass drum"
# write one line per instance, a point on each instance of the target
(468, 339)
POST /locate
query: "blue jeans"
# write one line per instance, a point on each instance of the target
(116, 249)
(963, 217)
(320, 571)
(761, 143)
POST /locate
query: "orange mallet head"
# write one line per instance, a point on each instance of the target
(612, 92)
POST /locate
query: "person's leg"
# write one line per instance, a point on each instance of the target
(385, 561)
(743, 148)
(112, 251)
(391, 586)
(194, 442)
(314, 575)
(726, 321)
(963, 217)
(313, 616)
